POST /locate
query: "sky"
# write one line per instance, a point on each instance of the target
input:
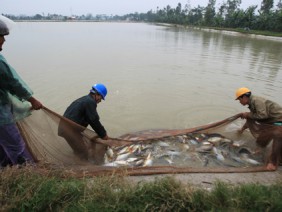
(94, 7)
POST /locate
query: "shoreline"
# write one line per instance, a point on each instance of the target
(227, 32)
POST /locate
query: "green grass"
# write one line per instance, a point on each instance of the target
(27, 189)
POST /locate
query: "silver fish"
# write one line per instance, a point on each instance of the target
(173, 153)
(168, 159)
(214, 139)
(130, 160)
(181, 139)
(110, 152)
(218, 154)
(148, 161)
(123, 156)
(139, 162)
(193, 141)
(163, 144)
(239, 143)
(205, 147)
(245, 157)
(185, 147)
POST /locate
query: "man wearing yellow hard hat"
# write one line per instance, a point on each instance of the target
(266, 113)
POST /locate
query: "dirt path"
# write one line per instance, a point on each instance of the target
(208, 180)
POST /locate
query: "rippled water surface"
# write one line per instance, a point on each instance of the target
(158, 77)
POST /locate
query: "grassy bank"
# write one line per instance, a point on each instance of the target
(254, 32)
(28, 190)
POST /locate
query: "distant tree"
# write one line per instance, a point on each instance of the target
(196, 15)
(210, 13)
(279, 5)
(38, 17)
(250, 17)
(232, 6)
(89, 16)
(266, 6)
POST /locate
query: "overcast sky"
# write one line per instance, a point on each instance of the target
(94, 7)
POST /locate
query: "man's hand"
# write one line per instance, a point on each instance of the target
(36, 105)
(240, 131)
(106, 137)
(245, 115)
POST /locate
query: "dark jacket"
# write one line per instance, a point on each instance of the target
(83, 112)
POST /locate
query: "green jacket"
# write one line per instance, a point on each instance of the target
(264, 110)
(13, 93)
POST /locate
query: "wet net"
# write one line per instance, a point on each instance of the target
(213, 148)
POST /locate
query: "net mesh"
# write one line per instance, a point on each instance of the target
(216, 147)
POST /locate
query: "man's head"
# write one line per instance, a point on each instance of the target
(243, 94)
(100, 90)
(4, 30)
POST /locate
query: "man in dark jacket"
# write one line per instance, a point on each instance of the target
(83, 113)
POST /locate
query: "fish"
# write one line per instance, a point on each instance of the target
(238, 159)
(185, 147)
(218, 154)
(117, 163)
(123, 156)
(110, 152)
(130, 160)
(110, 164)
(121, 163)
(168, 159)
(214, 139)
(173, 153)
(123, 150)
(185, 136)
(205, 147)
(245, 157)
(193, 141)
(163, 144)
(148, 161)
(252, 161)
(226, 140)
(181, 139)
(139, 162)
(238, 143)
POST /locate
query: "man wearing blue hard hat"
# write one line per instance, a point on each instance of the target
(83, 112)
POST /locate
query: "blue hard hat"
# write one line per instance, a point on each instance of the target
(101, 89)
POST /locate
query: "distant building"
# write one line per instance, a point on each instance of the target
(71, 18)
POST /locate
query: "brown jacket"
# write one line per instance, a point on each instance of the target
(264, 110)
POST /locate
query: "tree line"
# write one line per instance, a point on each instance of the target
(228, 15)
(267, 17)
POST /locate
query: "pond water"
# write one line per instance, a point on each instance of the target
(158, 77)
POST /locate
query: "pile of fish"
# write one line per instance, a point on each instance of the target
(193, 150)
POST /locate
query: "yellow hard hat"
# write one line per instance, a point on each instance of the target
(242, 91)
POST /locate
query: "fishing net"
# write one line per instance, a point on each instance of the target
(217, 147)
